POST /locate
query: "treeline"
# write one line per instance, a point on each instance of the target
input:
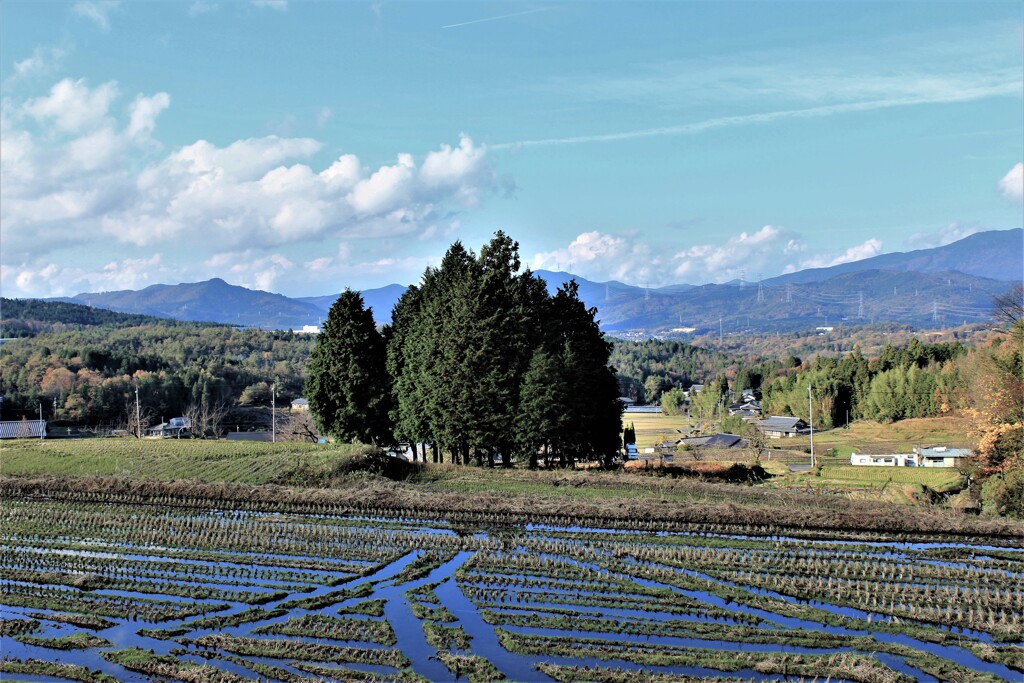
(479, 361)
(89, 376)
(29, 317)
(918, 380)
(656, 371)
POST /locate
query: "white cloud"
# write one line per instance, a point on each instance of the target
(91, 184)
(450, 167)
(201, 7)
(73, 106)
(144, 111)
(750, 255)
(745, 252)
(248, 269)
(891, 71)
(938, 238)
(867, 249)
(1012, 184)
(81, 171)
(323, 116)
(96, 10)
(43, 60)
(388, 187)
(279, 5)
(51, 279)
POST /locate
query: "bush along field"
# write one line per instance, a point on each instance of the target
(145, 582)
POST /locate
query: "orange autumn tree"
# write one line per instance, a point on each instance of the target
(996, 408)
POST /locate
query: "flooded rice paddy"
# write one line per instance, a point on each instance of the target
(115, 591)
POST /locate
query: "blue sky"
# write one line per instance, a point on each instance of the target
(304, 147)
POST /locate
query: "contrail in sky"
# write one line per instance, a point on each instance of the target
(967, 95)
(503, 16)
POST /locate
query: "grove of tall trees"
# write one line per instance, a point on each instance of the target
(484, 363)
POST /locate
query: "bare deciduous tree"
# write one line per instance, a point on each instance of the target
(298, 425)
(1009, 306)
(205, 419)
(137, 419)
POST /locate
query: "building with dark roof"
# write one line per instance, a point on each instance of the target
(722, 440)
(778, 427)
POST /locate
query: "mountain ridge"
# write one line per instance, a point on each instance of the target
(875, 288)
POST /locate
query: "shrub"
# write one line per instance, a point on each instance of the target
(1003, 494)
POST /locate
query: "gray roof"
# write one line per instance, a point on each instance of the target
(782, 423)
(642, 409)
(943, 452)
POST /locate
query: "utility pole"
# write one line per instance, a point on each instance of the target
(138, 412)
(810, 411)
(273, 412)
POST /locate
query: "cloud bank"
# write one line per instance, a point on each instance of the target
(81, 167)
(747, 255)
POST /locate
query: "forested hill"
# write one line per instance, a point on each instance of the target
(27, 317)
(88, 374)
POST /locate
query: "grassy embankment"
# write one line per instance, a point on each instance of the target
(339, 477)
(168, 459)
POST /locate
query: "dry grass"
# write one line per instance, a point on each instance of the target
(653, 428)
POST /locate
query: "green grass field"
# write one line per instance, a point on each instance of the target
(166, 459)
(939, 479)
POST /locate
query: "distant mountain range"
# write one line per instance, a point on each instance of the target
(938, 287)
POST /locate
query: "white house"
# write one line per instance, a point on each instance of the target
(941, 456)
(884, 459)
(936, 456)
(176, 427)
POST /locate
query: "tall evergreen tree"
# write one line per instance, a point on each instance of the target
(592, 405)
(403, 365)
(348, 386)
(541, 420)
